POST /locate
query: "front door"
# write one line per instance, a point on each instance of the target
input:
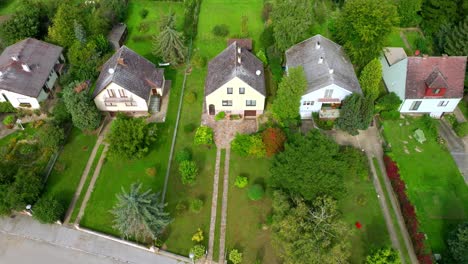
(250, 113)
(154, 91)
(211, 109)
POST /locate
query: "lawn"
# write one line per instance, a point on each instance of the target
(394, 39)
(434, 183)
(8, 6)
(67, 171)
(27, 133)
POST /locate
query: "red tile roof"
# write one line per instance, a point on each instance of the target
(435, 71)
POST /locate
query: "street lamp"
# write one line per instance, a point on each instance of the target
(192, 256)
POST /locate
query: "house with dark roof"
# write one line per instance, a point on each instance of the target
(130, 83)
(28, 71)
(329, 73)
(235, 83)
(432, 85)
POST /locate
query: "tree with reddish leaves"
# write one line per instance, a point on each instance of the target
(274, 139)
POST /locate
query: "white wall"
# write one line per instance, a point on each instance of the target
(306, 110)
(430, 106)
(395, 76)
(141, 104)
(238, 100)
(15, 99)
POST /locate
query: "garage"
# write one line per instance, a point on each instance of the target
(250, 113)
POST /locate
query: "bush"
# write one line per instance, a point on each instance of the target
(143, 27)
(198, 251)
(267, 8)
(60, 113)
(6, 107)
(190, 97)
(422, 45)
(461, 129)
(198, 236)
(9, 120)
(189, 171)
(255, 192)
(241, 181)
(196, 205)
(198, 60)
(388, 102)
(144, 13)
(150, 171)
(458, 243)
(50, 136)
(181, 207)
(248, 145)
(220, 116)
(235, 256)
(325, 124)
(390, 115)
(183, 155)
(48, 210)
(221, 30)
(261, 56)
(430, 126)
(273, 139)
(189, 128)
(204, 136)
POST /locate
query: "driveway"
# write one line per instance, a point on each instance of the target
(456, 146)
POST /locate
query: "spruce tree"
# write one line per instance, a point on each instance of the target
(457, 40)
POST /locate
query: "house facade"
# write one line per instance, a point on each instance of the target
(426, 85)
(329, 73)
(235, 83)
(130, 83)
(28, 72)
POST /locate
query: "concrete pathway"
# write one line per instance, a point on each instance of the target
(458, 147)
(459, 115)
(214, 206)
(68, 243)
(222, 233)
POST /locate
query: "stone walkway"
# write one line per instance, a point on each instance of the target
(226, 130)
(214, 206)
(222, 233)
(458, 147)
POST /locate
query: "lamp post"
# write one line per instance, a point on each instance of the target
(192, 256)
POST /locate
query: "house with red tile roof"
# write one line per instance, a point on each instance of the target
(432, 85)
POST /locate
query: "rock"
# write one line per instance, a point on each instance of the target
(405, 142)
(418, 149)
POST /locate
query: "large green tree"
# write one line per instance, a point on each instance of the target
(292, 21)
(456, 43)
(24, 23)
(286, 105)
(139, 214)
(82, 109)
(364, 26)
(436, 13)
(62, 30)
(458, 243)
(129, 137)
(25, 189)
(50, 136)
(169, 44)
(370, 79)
(356, 114)
(408, 10)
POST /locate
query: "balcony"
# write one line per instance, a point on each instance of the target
(118, 100)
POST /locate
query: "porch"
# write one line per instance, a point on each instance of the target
(330, 111)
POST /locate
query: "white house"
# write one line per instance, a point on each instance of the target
(28, 71)
(235, 83)
(130, 83)
(432, 85)
(329, 73)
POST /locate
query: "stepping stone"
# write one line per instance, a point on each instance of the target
(418, 149)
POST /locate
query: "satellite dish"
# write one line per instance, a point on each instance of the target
(111, 71)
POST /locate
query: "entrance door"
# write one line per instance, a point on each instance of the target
(211, 109)
(154, 91)
(250, 113)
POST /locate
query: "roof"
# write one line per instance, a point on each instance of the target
(38, 57)
(226, 66)
(245, 43)
(131, 71)
(435, 72)
(394, 55)
(335, 67)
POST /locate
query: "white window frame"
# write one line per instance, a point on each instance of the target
(328, 93)
(443, 103)
(415, 105)
(241, 90)
(230, 90)
(250, 102)
(227, 102)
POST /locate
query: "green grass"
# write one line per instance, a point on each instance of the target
(411, 36)
(69, 167)
(245, 217)
(76, 210)
(394, 39)
(8, 6)
(434, 183)
(463, 106)
(28, 132)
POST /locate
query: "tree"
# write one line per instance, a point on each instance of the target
(248, 145)
(292, 21)
(50, 136)
(62, 31)
(356, 114)
(198, 251)
(286, 105)
(388, 102)
(80, 33)
(48, 210)
(60, 113)
(408, 11)
(436, 13)
(189, 171)
(235, 256)
(384, 256)
(370, 79)
(129, 137)
(309, 166)
(303, 234)
(170, 43)
(139, 214)
(364, 27)
(457, 40)
(273, 139)
(83, 111)
(84, 59)
(458, 243)
(25, 189)
(24, 23)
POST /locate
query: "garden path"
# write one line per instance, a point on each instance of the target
(214, 206)
(458, 147)
(222, 233)
(225, 130)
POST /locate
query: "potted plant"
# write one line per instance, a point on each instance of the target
(9, 121)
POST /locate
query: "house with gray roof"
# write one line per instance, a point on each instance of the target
(329, 73)
(130, 83)
(235, 83)
(28, 71)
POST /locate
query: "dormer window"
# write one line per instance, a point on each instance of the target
(436, 91)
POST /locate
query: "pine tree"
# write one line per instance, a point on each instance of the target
(169, 44)
(457, 41)
(62, 31)
(356, 113)
(80, 33)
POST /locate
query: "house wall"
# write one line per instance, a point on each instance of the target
(430, 106)
(238, 100)
(141, 104)
(51, 80)
(395, 76)
(306, 110)
(15, 99)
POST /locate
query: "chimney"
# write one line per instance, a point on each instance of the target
(239, 60)
(317, 45)
(111, 70)
(320, 61)
(25, 67)
(15, 58)
(444, 56)
(425, 56)
(239, 50)
(330, 71)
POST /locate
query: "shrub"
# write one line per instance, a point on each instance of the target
(198, 60)
(190, 97)
(325, 124)
(181, 207)
(221, 30)
(50, 136)
(189, 128)
(144, 13)
(261, 56)
(458, 243)
(220, 116)
(6, 107)
(9, 120)
(189, 171)
(241, 181)
(390, 115)
(196, 205)
(422, 44)
(150, 172)
(143, 27)
(204, 136)
(274, 139)
(235, 256)
(388, 102)
(198, 251)
(430, 126)
(255, 192)
(183, 155)
(267, 8)
(198, 236)
(248, 145)
(60, 113)
(48, 210)
(461, 129)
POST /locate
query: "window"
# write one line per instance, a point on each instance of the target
(110, 104)
(111, 93)
(227, 102)
(443, 103)
(131, 104)
(122, 93)
(436, 91)
(241, 90)
(229, 90)
(328, 93)
(250, 102)
(415, 105)
(308, 103)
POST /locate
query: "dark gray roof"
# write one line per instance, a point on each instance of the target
(131, 71)
(335, 68)
(39, 56)
(226, 66)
